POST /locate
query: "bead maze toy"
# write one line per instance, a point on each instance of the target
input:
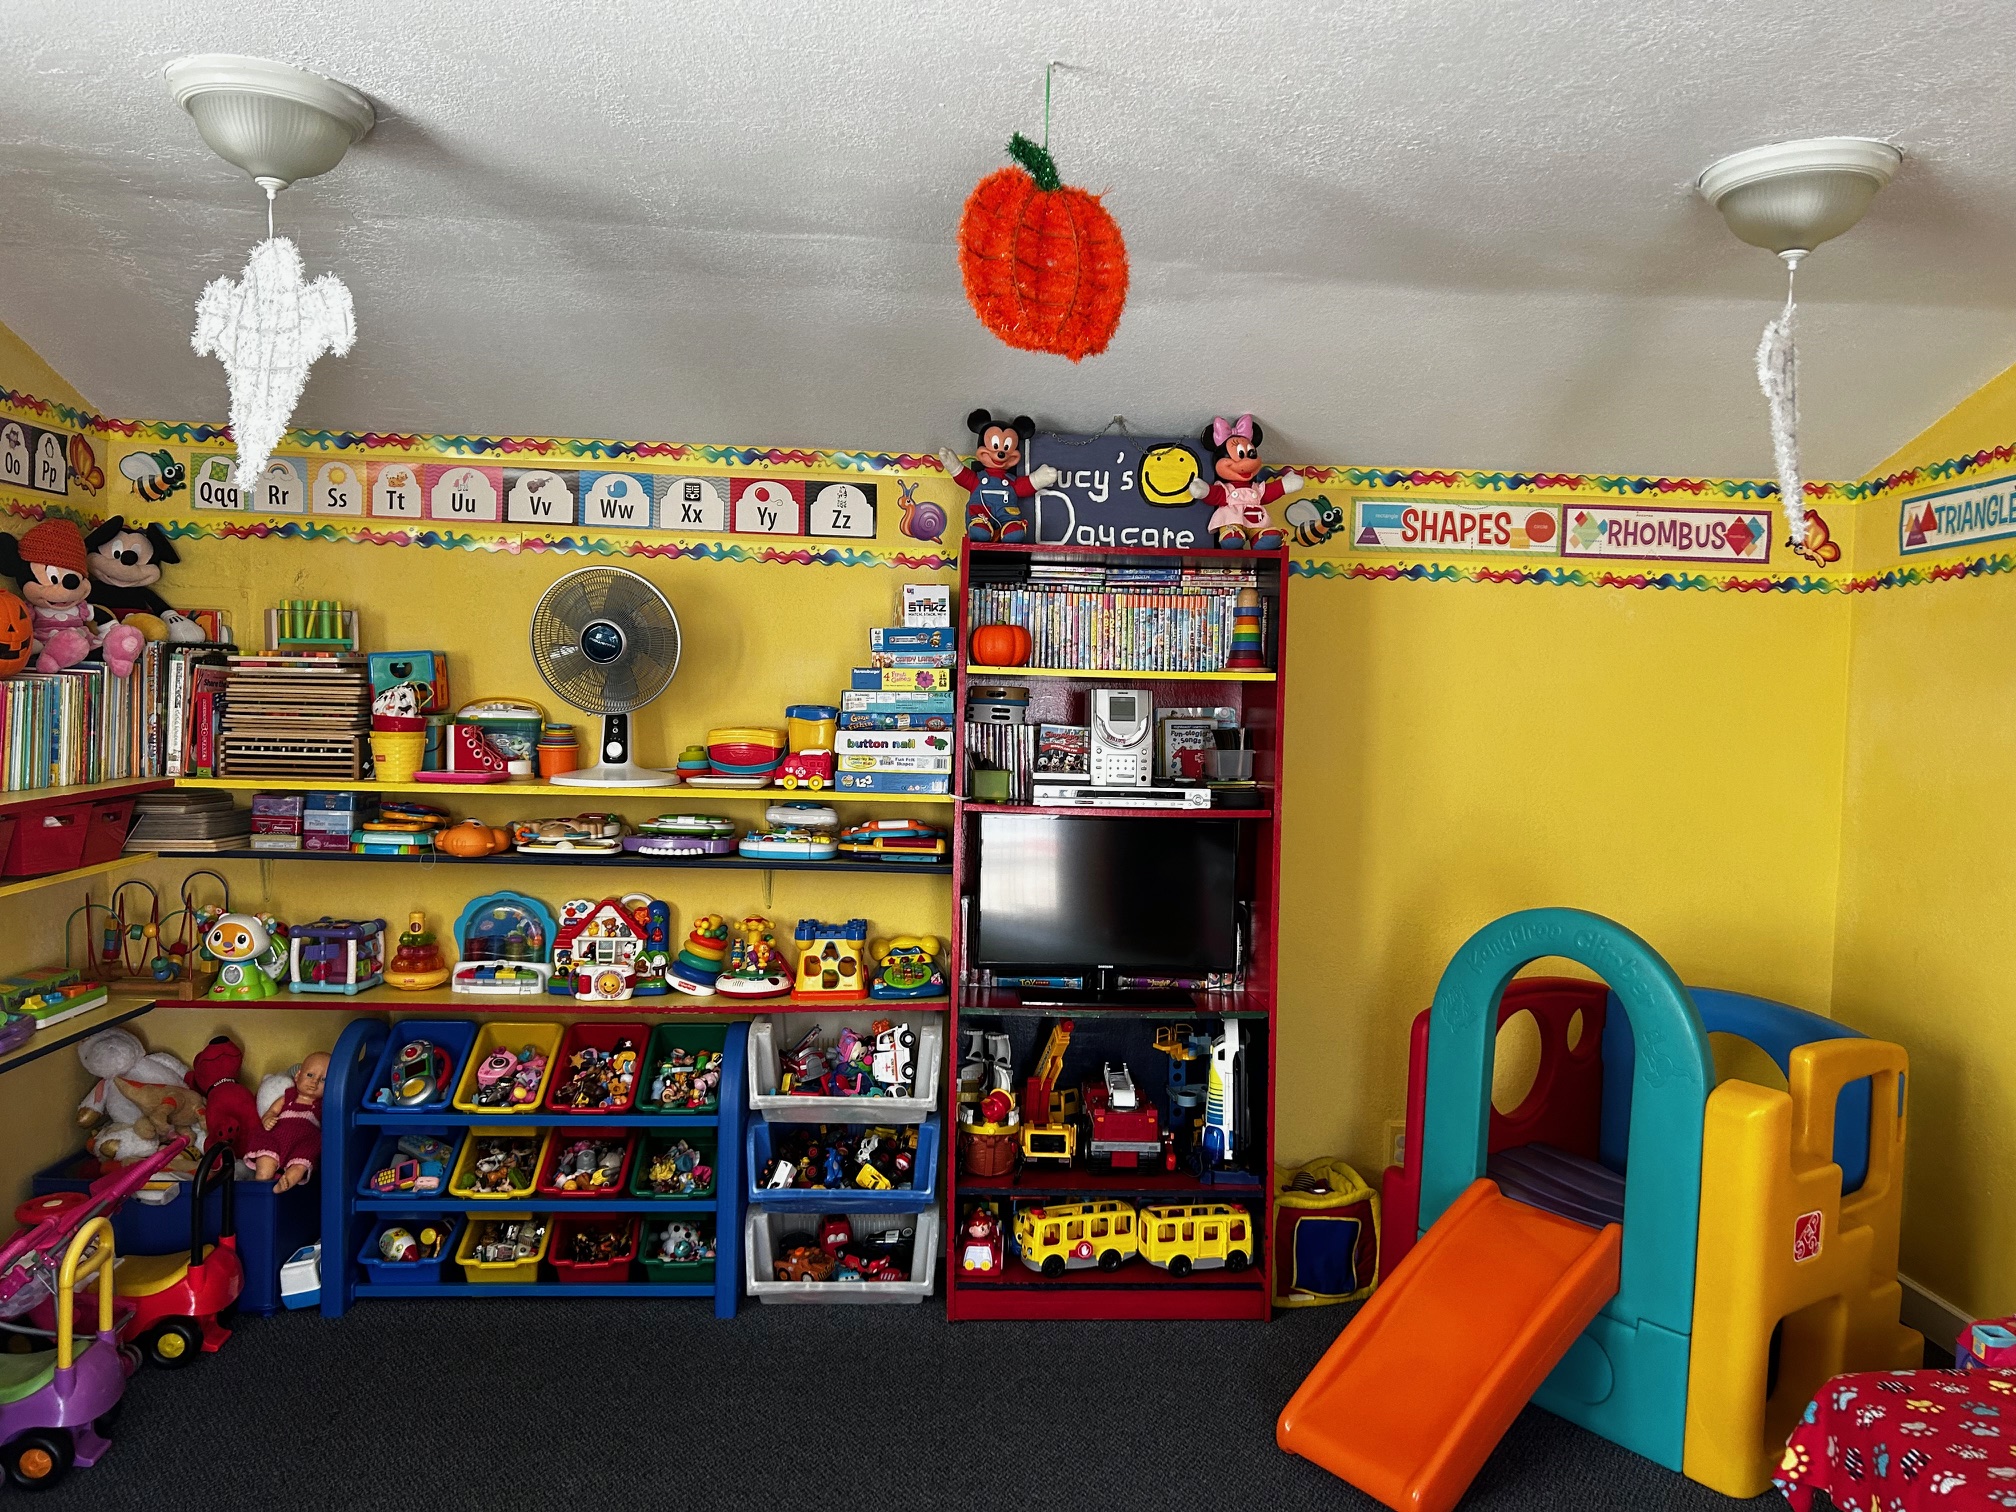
(1670, 1263)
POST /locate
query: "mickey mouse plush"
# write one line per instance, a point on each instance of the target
(994, 508)
(125, 563)
(50, 564)
(1239, 519)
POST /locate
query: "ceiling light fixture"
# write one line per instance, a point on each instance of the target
(1789, 198)
(279, 124)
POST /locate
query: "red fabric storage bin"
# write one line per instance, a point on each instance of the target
(597, 1271)
(105, 835)
(47, 839)
(6, 836)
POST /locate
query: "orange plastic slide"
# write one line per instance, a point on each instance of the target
(1421, 1385)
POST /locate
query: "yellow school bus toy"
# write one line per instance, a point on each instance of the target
(1059, 1236)
(1197, 1236)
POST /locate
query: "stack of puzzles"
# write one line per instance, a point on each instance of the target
(896, 719)
(297, 716)
(181, 822)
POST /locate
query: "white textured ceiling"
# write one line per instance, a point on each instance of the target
(1419, 232)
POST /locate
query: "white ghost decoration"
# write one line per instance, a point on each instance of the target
(1778, 376)
(267, 327)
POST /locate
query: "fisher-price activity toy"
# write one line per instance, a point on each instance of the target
(1623, 1246)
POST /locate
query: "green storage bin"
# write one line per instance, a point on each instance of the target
(677, 1036)
(704, 1141)
(689, 1271)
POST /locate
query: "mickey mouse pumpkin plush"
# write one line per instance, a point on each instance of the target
(51, 565)
(1239, 519)
(994, 502)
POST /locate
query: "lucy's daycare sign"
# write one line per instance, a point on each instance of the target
(1984, 511)
(1445, 525)
(1115, 490)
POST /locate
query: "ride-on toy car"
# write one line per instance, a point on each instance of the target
(177, 1299)
(56, 1405)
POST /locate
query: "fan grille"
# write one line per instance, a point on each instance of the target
(648, 655)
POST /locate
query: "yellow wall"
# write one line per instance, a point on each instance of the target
(1457, 752)
(1925, 949)
(23, 370)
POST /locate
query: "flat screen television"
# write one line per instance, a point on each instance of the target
(1153, 897)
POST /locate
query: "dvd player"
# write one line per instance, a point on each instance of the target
(1083, 795)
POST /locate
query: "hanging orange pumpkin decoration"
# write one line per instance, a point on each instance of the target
(17, 632)
(1045, 265)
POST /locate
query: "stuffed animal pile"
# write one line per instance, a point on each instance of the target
(144, 1098)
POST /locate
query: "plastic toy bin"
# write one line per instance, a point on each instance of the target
(511, 1037)
(771, 1040)
(455, 1036)
(921, 1193)
(105, 830)
(556, 1145)
(47, 840)
(409, 1272)
(597, 1036)
(592, 1271)
(500, 1272)
(768, 1234)
(461, 1182)
(705, 1144)
(385, 1152)
(695, 1272)
(677, 1036)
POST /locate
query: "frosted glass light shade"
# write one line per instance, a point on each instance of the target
(277, 122)
(1792, 196)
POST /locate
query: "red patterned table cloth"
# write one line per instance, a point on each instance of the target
(1888, 1441)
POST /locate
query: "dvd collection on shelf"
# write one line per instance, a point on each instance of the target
(1119, 618)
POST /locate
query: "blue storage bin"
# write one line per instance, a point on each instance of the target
(271, 1227)
(922, 1194)
(408, 1272)
(382, 1155)
(456, 1036)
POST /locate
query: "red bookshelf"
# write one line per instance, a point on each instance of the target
(1116, 1026)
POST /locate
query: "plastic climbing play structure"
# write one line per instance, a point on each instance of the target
(1673, 1263)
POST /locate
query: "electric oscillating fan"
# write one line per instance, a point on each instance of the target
(607, 642)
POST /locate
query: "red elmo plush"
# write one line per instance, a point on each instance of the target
(230, 1114)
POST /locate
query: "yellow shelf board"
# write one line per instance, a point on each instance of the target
(462, 792)
(57, 879)
(998, 674)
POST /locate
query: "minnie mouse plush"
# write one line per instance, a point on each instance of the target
(1239, 519)
(50, 564)
(994, 508)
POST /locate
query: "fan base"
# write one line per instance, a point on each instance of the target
(619, 774)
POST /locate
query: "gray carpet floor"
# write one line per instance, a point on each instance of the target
(512, 1405)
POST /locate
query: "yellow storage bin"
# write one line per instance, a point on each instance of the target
(500, 1272)
(463, 1183)
(511, 1038)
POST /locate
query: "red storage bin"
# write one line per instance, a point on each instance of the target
(563, 1140)
(596, 1036)
(6, 837)
(47, 839)
(105, 834)
(616, 1268)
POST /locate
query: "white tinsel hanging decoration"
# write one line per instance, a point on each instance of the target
(1778, 376)
(267, 327)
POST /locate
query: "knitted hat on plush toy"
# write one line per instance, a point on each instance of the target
(56, 543)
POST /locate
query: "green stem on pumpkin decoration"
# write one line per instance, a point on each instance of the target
(1037, 161)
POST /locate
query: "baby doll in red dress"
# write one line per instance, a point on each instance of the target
(292, 1129)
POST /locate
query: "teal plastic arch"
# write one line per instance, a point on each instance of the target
(1626, 1377)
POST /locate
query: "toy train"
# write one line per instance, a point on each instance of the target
(1180, 1237)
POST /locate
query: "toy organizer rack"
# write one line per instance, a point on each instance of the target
(1118, 1027)
(780, 1218)
(351, 1131)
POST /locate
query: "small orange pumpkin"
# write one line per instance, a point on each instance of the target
(17, 632)
(472, 837)
(1001, 646)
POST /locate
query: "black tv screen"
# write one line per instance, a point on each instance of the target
(1151, 896)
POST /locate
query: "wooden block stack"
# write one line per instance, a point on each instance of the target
(297, 716)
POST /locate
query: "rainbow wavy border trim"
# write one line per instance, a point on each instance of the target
(1932, 472)
(1753, 489)
(1575, 577)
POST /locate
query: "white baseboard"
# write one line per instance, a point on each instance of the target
(1931, 1314)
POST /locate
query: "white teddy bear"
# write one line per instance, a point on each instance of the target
(111, 1054)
